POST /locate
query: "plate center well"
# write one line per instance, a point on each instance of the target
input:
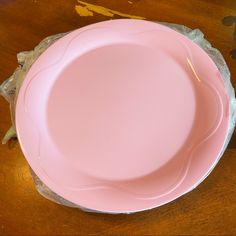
(121, 111)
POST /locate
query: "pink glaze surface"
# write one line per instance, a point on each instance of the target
(122, 116)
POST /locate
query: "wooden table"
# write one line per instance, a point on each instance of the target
(209, 209)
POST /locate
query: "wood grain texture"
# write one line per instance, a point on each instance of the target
(209, 209)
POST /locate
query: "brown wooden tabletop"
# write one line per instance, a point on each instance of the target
(209, 209)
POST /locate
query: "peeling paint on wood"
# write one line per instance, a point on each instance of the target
(87, 9)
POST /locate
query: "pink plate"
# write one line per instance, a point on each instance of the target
(122, 116)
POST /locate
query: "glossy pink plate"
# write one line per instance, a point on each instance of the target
(122, 116)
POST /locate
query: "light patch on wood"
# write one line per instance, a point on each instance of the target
(130, 2)
(87, 9)
(83, 11)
